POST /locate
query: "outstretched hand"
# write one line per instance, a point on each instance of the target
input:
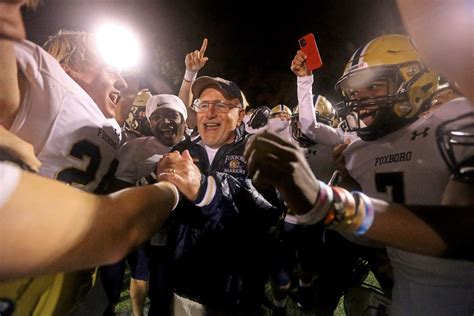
(195, 60)
(180, 170)
(298, 64)
(273, 161)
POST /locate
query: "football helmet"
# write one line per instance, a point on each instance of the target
(136, 122)
(385, 85)
(454, 138)
(281, 108)
(303, 140)
(325, 114)
(324, 111)
(259, 117)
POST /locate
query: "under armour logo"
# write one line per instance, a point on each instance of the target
(424, 133)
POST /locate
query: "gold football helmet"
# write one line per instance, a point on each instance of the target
(136, 121)
(281, 109)
(385, 85)
(325, 112)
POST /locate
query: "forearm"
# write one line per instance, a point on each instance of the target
(64, 229)
(9, 89)
(186, 96)
(398, 226)
(306, 113)
(443, 231)
(316, 131)
(143, 210)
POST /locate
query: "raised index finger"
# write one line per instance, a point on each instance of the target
(203, 48)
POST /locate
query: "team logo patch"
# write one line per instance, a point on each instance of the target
(235, 164)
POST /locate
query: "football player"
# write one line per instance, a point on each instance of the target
(166, 114)
(387, 87)
(386, 79)
(316, 130)
(67, 112)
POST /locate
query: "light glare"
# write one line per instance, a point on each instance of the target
(118, 46)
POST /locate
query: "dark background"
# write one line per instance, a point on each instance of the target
(250, 42)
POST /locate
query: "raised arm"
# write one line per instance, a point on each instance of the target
(318, 132)
(194, 61)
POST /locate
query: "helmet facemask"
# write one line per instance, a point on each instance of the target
(137, 122)
(303, 140)
(455, 138)
(381, 99)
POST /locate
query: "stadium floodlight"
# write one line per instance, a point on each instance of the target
(119, 46)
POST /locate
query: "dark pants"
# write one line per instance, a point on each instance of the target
(160, 290)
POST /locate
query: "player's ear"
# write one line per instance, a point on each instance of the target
(68, 69)
(73, 72)
(71, 69)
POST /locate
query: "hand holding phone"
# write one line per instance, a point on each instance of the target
(308, 46)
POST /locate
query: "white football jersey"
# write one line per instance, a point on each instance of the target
(406, 167)
(73, 140)
(319, 156)
(320, 160)
(138, 158)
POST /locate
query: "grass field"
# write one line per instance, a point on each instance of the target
(124, 307)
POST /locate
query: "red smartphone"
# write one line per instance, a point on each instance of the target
(308, 46)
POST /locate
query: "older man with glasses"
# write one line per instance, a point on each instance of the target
(218, 238)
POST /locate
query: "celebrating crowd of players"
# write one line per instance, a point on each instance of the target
(211, 204)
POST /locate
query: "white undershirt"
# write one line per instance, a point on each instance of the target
(211, 153)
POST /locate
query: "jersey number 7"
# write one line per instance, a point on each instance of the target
(391, 182)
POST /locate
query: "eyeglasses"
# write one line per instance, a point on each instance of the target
(219, 106)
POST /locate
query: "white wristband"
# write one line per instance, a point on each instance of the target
(173, 187)
(190, 75)
(176, 195)
(320, 208)
(210, 193)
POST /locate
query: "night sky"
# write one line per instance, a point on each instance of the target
(250, 45)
